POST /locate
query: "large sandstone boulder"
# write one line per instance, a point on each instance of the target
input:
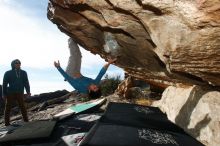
(169, 42)
(163, 42)
(195, 109)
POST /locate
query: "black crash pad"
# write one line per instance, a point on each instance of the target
(133, 125)
(105, 134)
(30, 130)
(138, 116)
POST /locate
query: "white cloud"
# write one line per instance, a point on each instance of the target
(45, 86)
(115, 73)
(37, 42)
(24, 38)
(90, 61)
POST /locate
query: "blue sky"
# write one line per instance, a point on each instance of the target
(27, 34)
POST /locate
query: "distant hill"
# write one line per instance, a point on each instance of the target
(46, 96)
(36, 98)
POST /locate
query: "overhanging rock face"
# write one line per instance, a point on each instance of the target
(162, 42)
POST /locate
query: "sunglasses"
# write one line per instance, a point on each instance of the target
(17, 62)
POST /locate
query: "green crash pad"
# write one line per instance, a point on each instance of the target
(79, 108)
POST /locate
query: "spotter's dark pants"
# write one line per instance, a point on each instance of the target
(10, 99)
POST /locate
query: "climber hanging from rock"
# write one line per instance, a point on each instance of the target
(82, 84)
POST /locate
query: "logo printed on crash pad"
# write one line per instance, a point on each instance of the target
(141, 109)
(156, 137)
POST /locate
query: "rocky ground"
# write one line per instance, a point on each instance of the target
(35, 105)
(45, 109)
